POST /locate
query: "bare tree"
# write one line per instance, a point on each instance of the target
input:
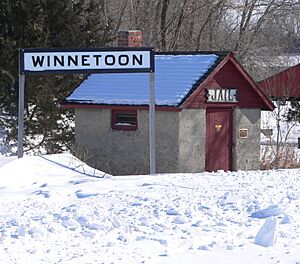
(281, 88)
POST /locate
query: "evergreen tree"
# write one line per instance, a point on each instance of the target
(45, 24)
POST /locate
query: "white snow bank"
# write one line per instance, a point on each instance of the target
(6, 160)
(55, 209)
(38, 169)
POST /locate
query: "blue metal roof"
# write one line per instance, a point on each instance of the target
(175, 77)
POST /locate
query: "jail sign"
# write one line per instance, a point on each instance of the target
(109, 60)
(221, 95)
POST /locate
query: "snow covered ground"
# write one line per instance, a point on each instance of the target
(55, 209)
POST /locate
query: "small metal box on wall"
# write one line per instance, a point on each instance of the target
(243, 133)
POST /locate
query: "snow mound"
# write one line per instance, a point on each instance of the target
(267, 234)
(81, 194)
(56, 209)
(272, 210)
(53, 169)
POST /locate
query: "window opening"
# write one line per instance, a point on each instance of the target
(124, 120)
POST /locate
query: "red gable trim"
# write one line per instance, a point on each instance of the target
(285, 84)
(119, 107)
(267, 104)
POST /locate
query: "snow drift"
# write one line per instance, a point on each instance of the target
(56, 209)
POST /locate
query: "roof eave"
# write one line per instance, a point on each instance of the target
(268, 105)
(200, 82)
(77, 105)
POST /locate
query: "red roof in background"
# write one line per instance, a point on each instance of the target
(283, 84)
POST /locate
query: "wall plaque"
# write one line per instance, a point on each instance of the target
(243, 132)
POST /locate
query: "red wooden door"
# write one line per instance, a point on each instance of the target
(218, 149)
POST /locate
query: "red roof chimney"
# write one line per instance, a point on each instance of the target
(130, 38)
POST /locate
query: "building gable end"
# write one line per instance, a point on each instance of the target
(229, 74)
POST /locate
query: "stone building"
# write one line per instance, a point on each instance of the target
(207, 116)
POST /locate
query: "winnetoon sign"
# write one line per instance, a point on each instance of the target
(94, 60)
(91, 60)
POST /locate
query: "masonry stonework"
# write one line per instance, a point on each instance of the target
(192, 140)
(180, 141)
(126, 152)
(246, 151)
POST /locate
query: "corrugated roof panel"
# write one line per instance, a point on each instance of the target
(175, 76)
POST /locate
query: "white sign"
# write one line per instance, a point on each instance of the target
(221, 95)
(95, 60)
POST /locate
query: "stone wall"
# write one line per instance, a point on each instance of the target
(180, 141)
(192, 131)
(246, 151)
(126, 152)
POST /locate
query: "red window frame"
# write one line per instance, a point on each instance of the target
(115, 117)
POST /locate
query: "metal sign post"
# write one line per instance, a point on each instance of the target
(21, 115)
(106, 60)
(152, 124)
